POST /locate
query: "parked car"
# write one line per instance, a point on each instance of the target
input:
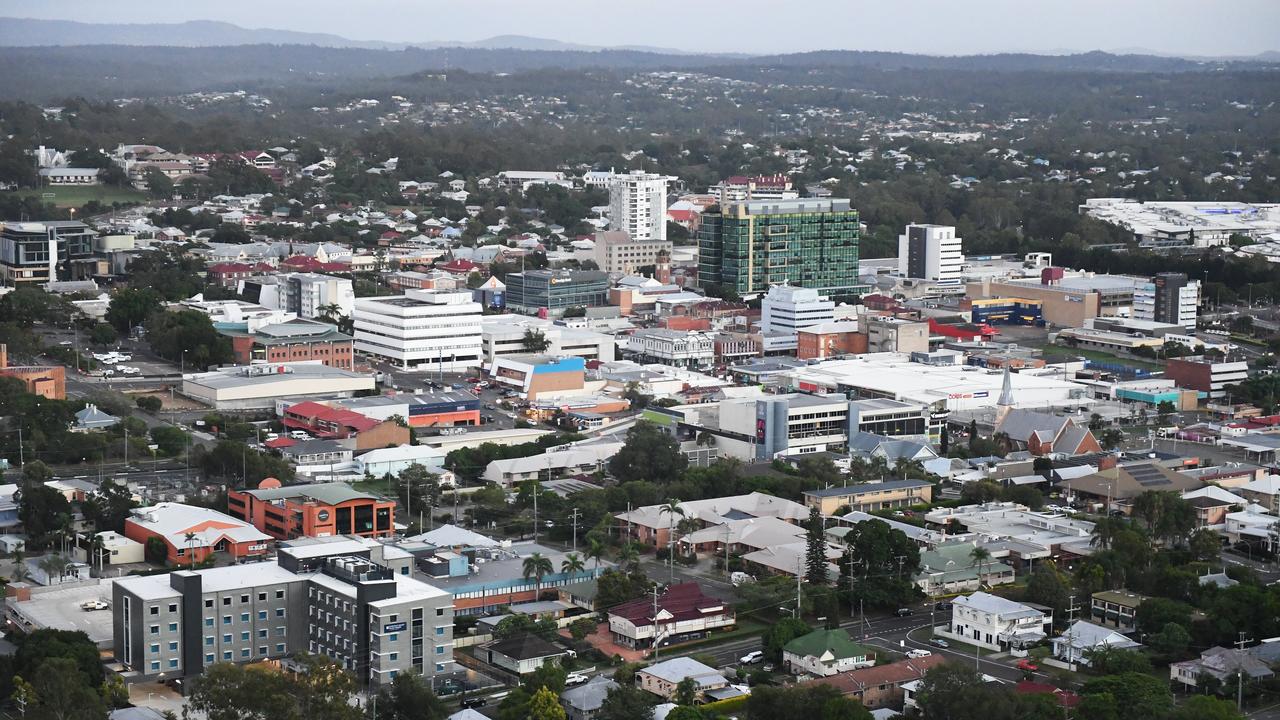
(94, 605)
(918, 653)
(752, 657)
(1027, 665)
(767, 667)
(942, 606)
(903, 612)
(938, 642)
(473, 702)
(575, 678)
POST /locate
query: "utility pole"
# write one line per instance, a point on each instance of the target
(21, 452)
(1071, 615)
(799, 575)
(1240, 675)
(535, 502)
(573, 518)
(655, 623)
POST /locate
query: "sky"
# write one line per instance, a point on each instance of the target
(934, 27)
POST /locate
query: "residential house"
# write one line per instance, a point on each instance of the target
(740, 536)
(880, 686)
(662, 678)
(650, 525)
(681, 613)
(520, 655)
(825, 653)
(1083, 637)
(996, 623)
(1220, 663)
(1041, 433)
(950, 568)
(1265, 492)
(1115, 486)
(581, 594)
(1116, 608)
(890, 449)
(867, 497)
(91, 418)
(584, 701)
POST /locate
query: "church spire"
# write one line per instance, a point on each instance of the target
(1006, 390)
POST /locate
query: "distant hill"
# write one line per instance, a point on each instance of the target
(26, 32)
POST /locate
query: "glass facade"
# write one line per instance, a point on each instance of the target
(556, 290)
(810, 243)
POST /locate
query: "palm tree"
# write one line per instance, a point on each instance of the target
(980, 556)
(66, 529)
(52, 565)
(595, 551)
(537, 566)
(572, 563)
(20, 573)
(190, 538)
(672, 508)
(97, 551)
(629, 555)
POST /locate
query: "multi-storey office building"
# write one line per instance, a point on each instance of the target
(617, 252)
(556, 290)
(1168, 298)
(930, 252)
(372, 620)
(748, 246)
(786, 309)
(422, 329)
(40, 252)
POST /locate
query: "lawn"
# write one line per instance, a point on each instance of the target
(75, 196)
(1052, 352)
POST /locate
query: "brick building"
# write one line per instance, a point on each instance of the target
(317, 510)
(48, 381)
(191, 533)
(293, 341)
(333, 423)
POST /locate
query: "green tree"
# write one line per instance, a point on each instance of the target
(409, 697)
(1136, 696)
(579, 629)
(537, 566)
(103, 334)
(686, 692)
(550, 676)
(781, 633)
(544, 705)
(535, 341)
(1171, 640)
(815, 556)
(648, 454)
(626, 702)
(1205, 707)
(1049, 586)
(43, 645)
(170, 440)
(131, 306)
(109, 507)
(65, 692)
(159, 185)
(40, 507)
(189, 338)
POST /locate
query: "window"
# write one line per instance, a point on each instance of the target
(155, 665)
(155, 629)
(226, 654)
(440, 630)
(395, 656)
(226, 619)
(393, 637)
(155, 609)
(173, 627)
(244, 635)
(208, 659)
(262, 614)
(173, 645)
(208, 640)
(280, 631)
(244, 598)
(208, 602)
(279, 594)
(439, 667)
(439, 612)
(226, 600)
(279, 612)
(262, 650)
(262, 633)
(208, 622)
(173, 663)
(262, 596)
(245, 653)
(439, 649)
(244, 617)
(226, 638)
(279, 647)
(173, 607)
(155, 647)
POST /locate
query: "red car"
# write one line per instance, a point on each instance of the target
(1026, 664)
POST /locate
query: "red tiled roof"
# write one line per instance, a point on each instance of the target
(280, 442)
(458, 266)
(1065, 698)
(685, 601)
(315, 412)
(229, 267)
(855, 681)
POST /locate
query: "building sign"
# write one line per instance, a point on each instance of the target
(394, 627)
(323, 516)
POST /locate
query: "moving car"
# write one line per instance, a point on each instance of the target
(473, 702)
(939, 642)
(94, 605)
(752, 657)
(918, 653)
(903, 612)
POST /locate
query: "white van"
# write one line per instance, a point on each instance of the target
(918, 653)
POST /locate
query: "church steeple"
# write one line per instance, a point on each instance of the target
(1005, 403)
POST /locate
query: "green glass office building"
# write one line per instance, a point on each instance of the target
(812, 243)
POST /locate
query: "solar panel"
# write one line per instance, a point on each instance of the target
(1148, 475)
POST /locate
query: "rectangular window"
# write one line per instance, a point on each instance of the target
(226, 654)
(226, 638)
(226, 619)
(208, 602)
(279, 612)
(209, 659)
(244, 598)
(173, 607)
(155, 629)
(244, 617)
(262, 633)
(173, 627)
(262, 614)
(173, 663)
(155, 648)
(262, 596)
(155, 665)
(279, 594)
(439, 649)
(208, 622)
(245, 653)
(279, 647)
(173, 646)
(244, 635)
(226, 600)
(155, 609)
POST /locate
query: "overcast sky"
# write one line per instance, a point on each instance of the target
(940, 27)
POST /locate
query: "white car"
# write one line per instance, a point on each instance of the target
(752, 657)
(918, 653)
(65, 343)
(130, 370)
(94, 605)
(575, 678)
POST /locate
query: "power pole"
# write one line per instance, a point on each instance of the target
(535, 504)
(573, 518)
(1071, 615)
(21, 451)
(799, 576)
(1240, 675)
(655, 623)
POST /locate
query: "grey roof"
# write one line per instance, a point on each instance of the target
(588, 697)
(525, 647)
(677, 669)
(328, 493)
(454, 536)
(92, 417)
(313, 447)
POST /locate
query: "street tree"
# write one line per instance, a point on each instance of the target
(648, 454)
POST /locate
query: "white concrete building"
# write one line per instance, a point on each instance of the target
(303, 294)
(422, 329)
(786, 309)
(1167, 298)
(995, 623)
(638, 205)
(930, 252)
(504, 335)
(672, 347)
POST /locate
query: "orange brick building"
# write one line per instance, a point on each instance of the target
(48, 381)
(191, 533)
(294, 341)
(829, 340)
(319, 510)
(331, 423)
